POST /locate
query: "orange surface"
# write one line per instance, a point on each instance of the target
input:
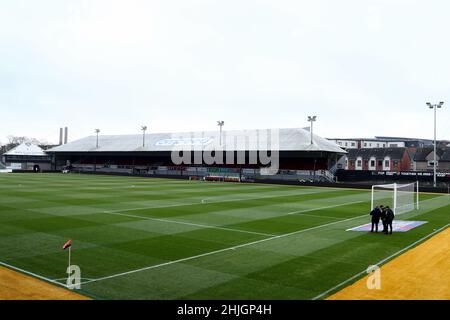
(422, 273)
(17, 286)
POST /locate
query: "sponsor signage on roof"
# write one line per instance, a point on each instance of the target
(184, 142)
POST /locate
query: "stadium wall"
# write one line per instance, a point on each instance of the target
(424, 177)
(349, 185)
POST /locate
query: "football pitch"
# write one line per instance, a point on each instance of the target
(149, 238)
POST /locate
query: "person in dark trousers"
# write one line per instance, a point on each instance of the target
(389, 218)
(383, 217)
(375, 213)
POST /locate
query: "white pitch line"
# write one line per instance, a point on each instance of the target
(328, 207)
(232, 229)
(189, 223)
(380, 262)
(32, 274)
(220, 250)
(211, 202)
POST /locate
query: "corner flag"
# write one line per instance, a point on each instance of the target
(66, 245)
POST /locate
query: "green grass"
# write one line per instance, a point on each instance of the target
(241, 244)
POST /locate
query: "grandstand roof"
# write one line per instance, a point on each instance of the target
(233, 140)
(26, 149)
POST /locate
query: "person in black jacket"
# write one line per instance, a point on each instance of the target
(389, 218)
(383, 217)
(375, 213)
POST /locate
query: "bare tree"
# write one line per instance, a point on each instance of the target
(15, 140)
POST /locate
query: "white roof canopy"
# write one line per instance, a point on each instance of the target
(233, 140)
(26, 149)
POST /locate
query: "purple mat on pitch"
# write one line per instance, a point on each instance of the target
(397, 226)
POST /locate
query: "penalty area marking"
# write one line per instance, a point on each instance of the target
(379, 263)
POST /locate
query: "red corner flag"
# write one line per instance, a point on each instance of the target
(67, 244)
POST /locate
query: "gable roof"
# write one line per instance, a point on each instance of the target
(26, 149)
(237, 140)
(423, 153)
(446, 155)
(378, 153)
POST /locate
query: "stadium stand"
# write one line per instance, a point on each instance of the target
(298, 157)
(27, 156)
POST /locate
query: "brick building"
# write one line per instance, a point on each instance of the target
(378, 159)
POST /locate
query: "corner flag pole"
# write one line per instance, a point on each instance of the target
(68, 245)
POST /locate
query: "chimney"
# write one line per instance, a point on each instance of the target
(66, 131)
(60, 136)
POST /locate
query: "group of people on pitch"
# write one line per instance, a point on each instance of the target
(386, 215)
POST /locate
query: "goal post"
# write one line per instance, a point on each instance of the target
(401, 198)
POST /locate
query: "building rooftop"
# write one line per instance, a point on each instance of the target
(422, 154)
(378, 153)
(233, 140)
(26, 149)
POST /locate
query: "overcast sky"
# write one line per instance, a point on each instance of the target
(365, 68)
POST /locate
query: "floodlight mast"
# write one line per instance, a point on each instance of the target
(312, 119)
(143, 128)
(220, 124)
(97, 131)
(435, 106)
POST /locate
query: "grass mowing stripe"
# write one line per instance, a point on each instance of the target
(221, 250)
(315, 261)
(188, 223)
(211, 202)
(328, 207)
(232, 229)
(381, 262)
